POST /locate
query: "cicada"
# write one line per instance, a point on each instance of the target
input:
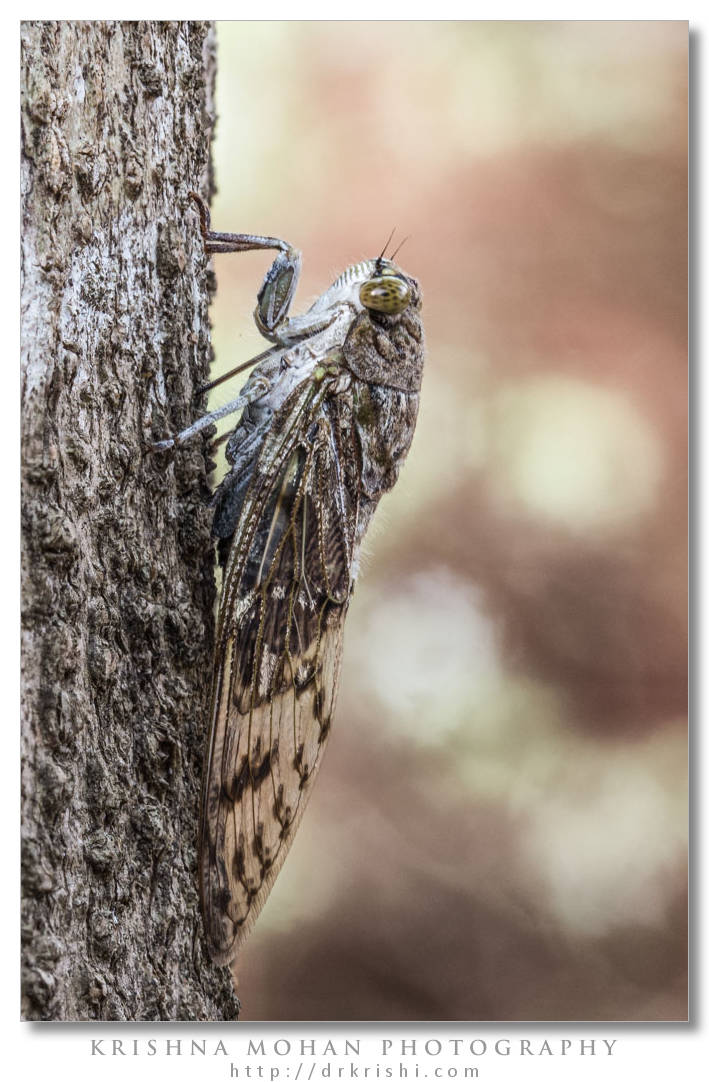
(328, 416)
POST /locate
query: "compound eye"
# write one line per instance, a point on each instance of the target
(387, 294)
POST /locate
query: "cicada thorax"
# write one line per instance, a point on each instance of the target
(385, 355)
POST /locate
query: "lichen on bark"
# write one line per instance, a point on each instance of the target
(117, 567)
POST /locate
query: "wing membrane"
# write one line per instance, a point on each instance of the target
(286, 589)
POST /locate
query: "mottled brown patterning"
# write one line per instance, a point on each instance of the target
(328, 420)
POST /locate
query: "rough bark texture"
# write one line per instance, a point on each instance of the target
(117, 566)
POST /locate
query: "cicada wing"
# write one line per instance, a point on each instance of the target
(286, 590)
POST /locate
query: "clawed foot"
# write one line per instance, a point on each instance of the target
(204, 216)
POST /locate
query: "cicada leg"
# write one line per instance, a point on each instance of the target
(279, 284)
(281, 280)
(255, 390)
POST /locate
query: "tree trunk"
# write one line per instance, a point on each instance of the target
(117, 572)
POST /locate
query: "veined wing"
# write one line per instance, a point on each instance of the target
(286, 589)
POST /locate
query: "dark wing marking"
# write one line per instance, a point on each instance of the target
(286, 590)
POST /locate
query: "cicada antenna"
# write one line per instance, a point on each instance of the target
(395, 254)
(380, 257)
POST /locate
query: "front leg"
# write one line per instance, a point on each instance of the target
(279, 284)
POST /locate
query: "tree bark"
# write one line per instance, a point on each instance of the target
(117, 571)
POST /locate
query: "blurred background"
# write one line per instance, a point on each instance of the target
(499, 828)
